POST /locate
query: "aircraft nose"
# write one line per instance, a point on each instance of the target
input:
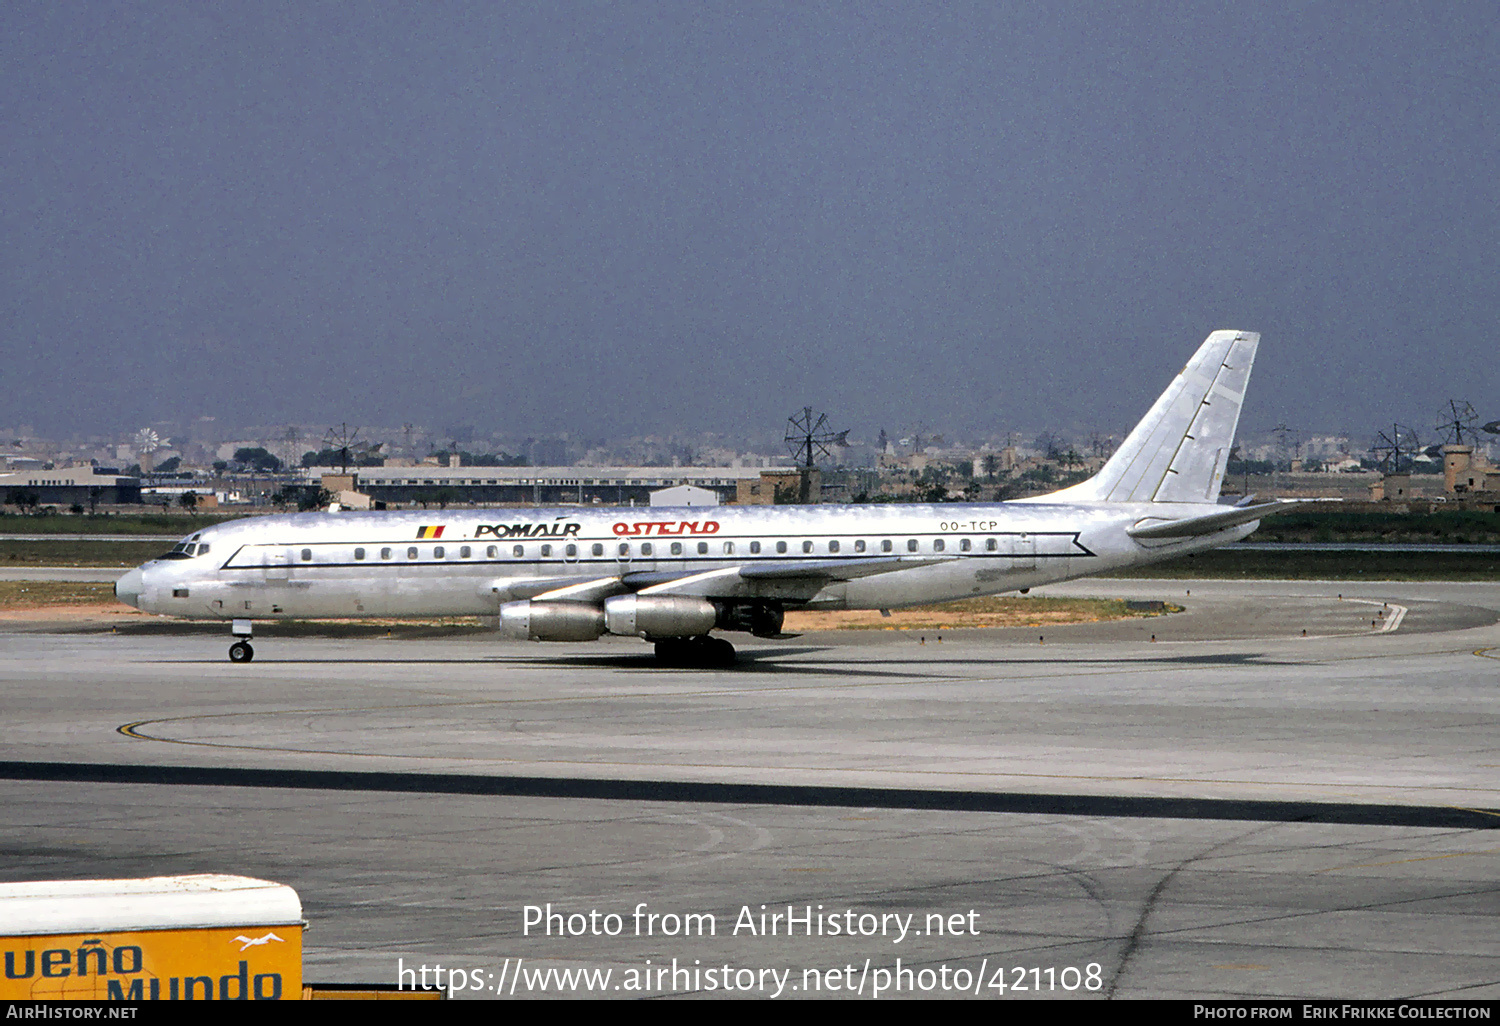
(128, 588)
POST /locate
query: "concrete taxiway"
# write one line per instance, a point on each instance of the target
(1233, 809)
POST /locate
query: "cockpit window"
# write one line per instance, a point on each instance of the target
(182, 550)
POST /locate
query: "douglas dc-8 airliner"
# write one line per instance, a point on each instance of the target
(674, 575)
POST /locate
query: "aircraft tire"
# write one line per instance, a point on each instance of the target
(718, 652)
(241, 652)
(695, 653)
(673, 652)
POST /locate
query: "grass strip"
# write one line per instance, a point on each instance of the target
(79, 553)
(42, 594)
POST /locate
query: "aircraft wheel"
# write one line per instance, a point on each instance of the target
(241, 652)
(718, 652)
(697, 653)
(673, 652)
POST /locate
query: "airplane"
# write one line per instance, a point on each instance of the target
(673, 576)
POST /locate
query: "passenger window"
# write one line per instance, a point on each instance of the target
(781, 546)
(491, 552)
(465, 552)
(885, 546)
(703, 548)
(677, 548)
(939, 545)
(624, 549)
(729, 548)
(755, 548)
(598, 549)
(991, 545)
(965, 545)
(859, 545)
(518, 551)
(833, 546)
(571, 551)
(546, 551)
(307, 555)
(807, 546)
(385, 553)
(179, 593)
(359, 553)
(411, 553)
(646, 549)
(437, 553)
(911, 545)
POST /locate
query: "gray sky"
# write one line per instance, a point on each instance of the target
(681, 217)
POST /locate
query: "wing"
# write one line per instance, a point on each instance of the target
(784, 580)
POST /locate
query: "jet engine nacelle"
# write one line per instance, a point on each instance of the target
(659, 616)
(551, 621)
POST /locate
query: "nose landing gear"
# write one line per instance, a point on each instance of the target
(241, 651)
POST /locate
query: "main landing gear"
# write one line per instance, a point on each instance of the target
(702, 652)
(240, 651)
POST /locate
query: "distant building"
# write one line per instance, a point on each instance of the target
(1391, 488)
(612, 486)
(786, 482)
(69, 486)
(1467, 469)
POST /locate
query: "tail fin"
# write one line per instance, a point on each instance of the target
(1178, 452)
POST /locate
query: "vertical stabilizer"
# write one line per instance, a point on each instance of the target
(1177, 453)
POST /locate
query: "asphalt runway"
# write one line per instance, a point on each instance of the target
(1231, 810)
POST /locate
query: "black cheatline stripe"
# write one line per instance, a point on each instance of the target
(1331, 813)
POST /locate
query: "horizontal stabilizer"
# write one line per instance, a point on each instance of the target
(1211, 523)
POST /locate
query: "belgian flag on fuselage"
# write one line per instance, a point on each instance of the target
(429, 532)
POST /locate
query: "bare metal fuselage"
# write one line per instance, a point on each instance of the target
(348, 564)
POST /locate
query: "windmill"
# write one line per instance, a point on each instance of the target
(342, 440)
(146, 443)
(808, 440)
(1457, 423)
(1395, 450)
